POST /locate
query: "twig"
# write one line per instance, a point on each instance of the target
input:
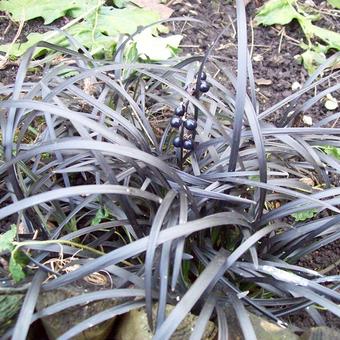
(233, 26)
(282, 33)
(297, 42)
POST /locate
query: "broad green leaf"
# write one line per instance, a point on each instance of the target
(16, 263)
(6, 239)
(19, 49)
(99, 33)
(334, 3)
(331, 38)
(49, 10)
(156, 48)
(131, 54)
(304, 215)
(87, 8)
(100, 45)
(276, 12)
(126, 21)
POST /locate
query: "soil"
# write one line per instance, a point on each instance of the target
(275, 70)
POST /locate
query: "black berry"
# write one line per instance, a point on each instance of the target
(203, 76)
(176, 122)
(177, 142)
(204, 86)
(188, 144)
(190, 124)
(180, 110)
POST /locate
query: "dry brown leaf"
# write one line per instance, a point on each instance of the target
(154, 5)
(307, 180)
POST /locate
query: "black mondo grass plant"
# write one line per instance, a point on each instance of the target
(203, 227)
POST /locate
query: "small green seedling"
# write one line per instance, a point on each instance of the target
(18, 259)
(101, 215)
(304, 215)
(331, 151)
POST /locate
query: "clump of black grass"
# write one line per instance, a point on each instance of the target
(191, 232)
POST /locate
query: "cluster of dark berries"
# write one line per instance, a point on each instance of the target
(181, 120)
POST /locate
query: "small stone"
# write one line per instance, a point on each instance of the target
(296, 86)
(307, 120)
(263, 82)
(258, 57)
(134, 326)
(331, 103)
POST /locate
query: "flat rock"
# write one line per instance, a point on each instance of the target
(321, 333)
(134, 326)
(57, 324)
(264, 329)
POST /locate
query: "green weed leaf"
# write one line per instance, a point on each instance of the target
(331, 38)
(101, 215)
(49, 10)
(304, 215)
(112, 21)
(17, 262)
(334, 3)
(17, 50)
(6, 239)
(332, 151)
(276, 12)
(131, 53)
(18, 258)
